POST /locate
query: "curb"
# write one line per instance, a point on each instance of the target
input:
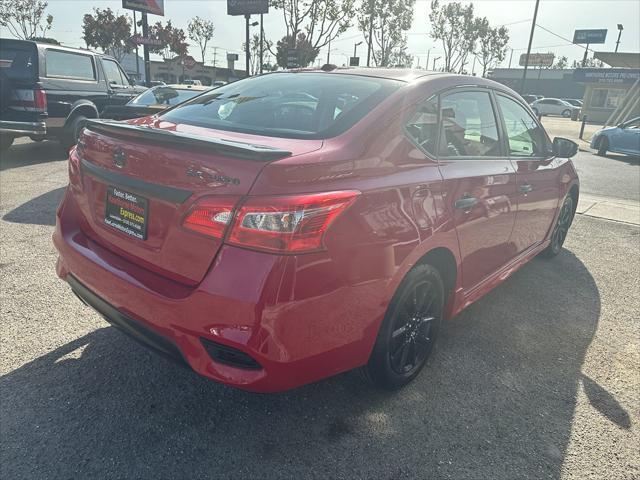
(608, 208)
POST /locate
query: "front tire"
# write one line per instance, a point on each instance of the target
(603, 146)
(566, 113)
(561, 228)
(408, 331)
(536, 112)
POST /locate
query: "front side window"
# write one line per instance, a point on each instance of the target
(469, 126)
(288, 105)
(422, 126)
(69, 65)
(112, 72)
(526, 138)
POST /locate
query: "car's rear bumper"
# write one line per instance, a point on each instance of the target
(23, 128)
(249, 305)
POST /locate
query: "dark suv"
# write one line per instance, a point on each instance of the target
(48, 91)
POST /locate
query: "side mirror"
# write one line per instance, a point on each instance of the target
(564, 148)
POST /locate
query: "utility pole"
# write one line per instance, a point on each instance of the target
(510, 57)
(261, 42)
(135, 34)
(584, 59)
(428, 54)
(215, 56)
(620, 28)
(526, 62)
(329, 53)
(370, 44)
(246, 45)
(145, 49)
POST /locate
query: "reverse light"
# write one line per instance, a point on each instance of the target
(288, 224)
(210, 216)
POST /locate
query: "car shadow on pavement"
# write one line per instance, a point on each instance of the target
(630, 159)
(40, 210)
(31, 153)
(496, 401)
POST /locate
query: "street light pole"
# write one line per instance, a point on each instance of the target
(369, 44)
(526, 62)
(428, 54)
(246, 44)
(510, 57)
(434, 63)
(355, 47)
(261, 43)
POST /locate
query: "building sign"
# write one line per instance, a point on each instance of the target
(247, 7)
(292, 58)
(188, 62)
(537, 59)
(607, 76)
(590, 36)
(140, 40)
(354, 61)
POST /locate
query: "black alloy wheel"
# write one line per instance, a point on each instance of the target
(559, 234)
(409, 330)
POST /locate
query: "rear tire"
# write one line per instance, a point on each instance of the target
(560, 229)
(536, 112)
(603, 146)
(5, 142)
(566, 113)
(72, 131)
(408, 331)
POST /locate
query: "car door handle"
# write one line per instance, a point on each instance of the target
(467, 202)
(526, 188)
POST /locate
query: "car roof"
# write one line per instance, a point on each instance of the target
(402, 74)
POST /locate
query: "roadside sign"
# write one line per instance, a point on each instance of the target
(609, 76)
(155, 7)
(140, 40)
(537, 59)
(354, 61)
(247, 7)
(590, 36)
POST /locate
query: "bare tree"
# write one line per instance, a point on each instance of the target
(454, 25)
(388, 20)
(24, 18)
(491, 45)
(201, 32)
(320, 20)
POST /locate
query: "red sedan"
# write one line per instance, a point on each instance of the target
(291, 226)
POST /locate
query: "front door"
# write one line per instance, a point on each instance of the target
(120, 90)
(537, 173)
(479, 181)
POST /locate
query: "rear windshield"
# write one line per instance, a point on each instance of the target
(289, 105)
(18, 62)
(164, 95)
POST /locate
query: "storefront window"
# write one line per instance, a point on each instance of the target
(608, 98)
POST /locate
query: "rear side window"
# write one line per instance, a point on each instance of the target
(422, 126)
(469, 126)
(18, 62)
(526, 138)
(289, 105)
(69, 65)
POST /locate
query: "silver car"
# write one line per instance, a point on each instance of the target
(553, 106)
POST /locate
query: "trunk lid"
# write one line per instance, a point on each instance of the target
(164, 168)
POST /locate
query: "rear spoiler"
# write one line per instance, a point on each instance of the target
(230, 148)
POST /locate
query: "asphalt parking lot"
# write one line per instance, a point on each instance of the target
(540, 379)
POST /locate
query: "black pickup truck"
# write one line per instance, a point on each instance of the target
(49, 91)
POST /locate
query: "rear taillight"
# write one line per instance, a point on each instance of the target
(40, 100)
(284, 224)
(210, 216)
(288, 224)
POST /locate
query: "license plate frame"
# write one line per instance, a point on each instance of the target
(127, 212)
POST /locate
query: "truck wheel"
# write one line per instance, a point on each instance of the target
(5, 142)
(72, 131)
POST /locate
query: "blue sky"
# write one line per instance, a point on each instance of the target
(559, 16)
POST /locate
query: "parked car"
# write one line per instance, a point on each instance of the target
(153, 101)
(573, 101)
(290, 226)
(530, 98)
(623, 138)
(49, 91)
(553, 106)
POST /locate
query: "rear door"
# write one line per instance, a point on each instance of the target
(537, 173)
(479, 181)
